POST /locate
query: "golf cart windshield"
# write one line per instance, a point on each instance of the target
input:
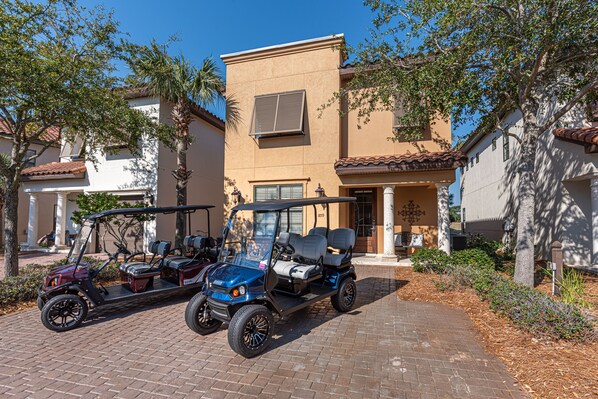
(81, 241)
(249, 238)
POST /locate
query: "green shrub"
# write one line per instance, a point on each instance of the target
(573, 287)
(22, 288)
(430, 259)
(490, 247)
(529, 309)
(472, 257)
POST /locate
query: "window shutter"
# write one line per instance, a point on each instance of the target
(278, 114)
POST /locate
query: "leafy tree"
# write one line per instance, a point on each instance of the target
(116, 226)
(471, 58)
(176, 80)
(57, 63)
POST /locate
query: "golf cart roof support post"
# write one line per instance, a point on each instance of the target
(315, 216)
(288, 219)
(327, 219)
(208, 213)
(189, 223)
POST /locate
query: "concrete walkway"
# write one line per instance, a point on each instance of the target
(384, 348)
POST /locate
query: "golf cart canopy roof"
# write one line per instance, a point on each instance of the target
(279, 205)
(150, 210)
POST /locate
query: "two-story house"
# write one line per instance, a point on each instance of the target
(286, 146)
(146, 177)
(566, 186)
(47, 213)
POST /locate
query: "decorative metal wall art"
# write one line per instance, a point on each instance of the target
(411, 212)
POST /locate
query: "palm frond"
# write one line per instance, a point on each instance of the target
(233, 112)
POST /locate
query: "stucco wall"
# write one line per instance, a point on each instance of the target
(308, 159)
(45, 203)
(205, 158)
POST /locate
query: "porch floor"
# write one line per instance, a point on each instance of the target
(379, 260)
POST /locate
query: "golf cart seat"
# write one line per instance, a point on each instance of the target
(321, 231)
(341, 241)
(157, 248)
(197, 245)
(306, 260)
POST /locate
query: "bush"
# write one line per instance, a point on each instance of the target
(490, 247)
(472, 257)
(430, 259)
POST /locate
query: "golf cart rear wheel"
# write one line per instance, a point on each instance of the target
(198, 316)
(64, 312)
(344, 300)
(250, 330)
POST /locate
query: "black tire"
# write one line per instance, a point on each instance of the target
(57, 311)
(198, 318)
(250, 330)
(344, 300)
(40, 302)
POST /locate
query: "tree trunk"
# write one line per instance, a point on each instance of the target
(11, 239)
(526, 228)
(181, 116)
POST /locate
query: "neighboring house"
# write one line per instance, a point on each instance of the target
(47, 213)
(144, 178)
(286, 147)
(566, 192)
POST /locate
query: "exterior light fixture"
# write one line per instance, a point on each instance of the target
(149, 198)
(236, 195)
(320, 191)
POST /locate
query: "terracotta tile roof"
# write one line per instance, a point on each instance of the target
(56, 169)
(401, 163)
(581, 135)
(52, 134)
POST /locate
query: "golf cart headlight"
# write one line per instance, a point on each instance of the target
(54, 282)
(242, 290)
(238, 291)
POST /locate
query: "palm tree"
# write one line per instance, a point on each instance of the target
(176, 80)
(4, 163)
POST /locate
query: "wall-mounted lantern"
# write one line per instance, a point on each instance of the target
(149, 198)
(320, 191)
(236, 195)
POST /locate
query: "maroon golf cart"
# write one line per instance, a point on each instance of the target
(70, 289)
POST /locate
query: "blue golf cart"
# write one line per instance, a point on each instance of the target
(264, 268)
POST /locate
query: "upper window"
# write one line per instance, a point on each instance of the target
(73, 149)
(398, 124)
(29, 154)
(292, 219)
(506, 151)
(278, 114)
(494, 140)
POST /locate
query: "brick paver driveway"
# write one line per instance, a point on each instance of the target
(385, 348)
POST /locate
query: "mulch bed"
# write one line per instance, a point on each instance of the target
(545, 368)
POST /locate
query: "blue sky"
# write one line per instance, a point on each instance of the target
(211, 28)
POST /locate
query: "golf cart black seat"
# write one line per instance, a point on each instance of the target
(196, 244)
(306, 260)
(157, 248)
(341, 241)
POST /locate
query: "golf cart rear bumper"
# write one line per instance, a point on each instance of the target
(219, 310)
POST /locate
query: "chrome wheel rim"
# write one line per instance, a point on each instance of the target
(349, 294)
(204, 316)
(256, 331)
(65, 313)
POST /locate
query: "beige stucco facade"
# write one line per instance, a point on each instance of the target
(309, 159)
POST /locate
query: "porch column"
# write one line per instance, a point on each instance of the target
(59, 230)
(444, 220)
(594, 190)
(389, 221)
(32, 222)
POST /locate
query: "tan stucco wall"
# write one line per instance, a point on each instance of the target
(305, 159)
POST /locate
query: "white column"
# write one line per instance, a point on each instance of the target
(32, 222)
(389, 221)
(444, 220)
(594, 190)
(60, 228)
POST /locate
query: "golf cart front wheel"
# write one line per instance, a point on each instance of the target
(250, 330)
(64, 312)
(40, 303)
(344, 300)
(198, 316)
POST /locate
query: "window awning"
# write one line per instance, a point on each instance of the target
(278, 114)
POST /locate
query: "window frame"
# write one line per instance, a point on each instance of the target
(494, 141)
(506, 150)
(277, 133)
(279, 187)
(426, 130)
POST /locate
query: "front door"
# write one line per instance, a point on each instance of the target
(365, 219)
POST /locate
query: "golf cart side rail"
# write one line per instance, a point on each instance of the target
(279, 205)
(148, 210)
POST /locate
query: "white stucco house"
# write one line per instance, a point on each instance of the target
(134, 178)
(566, 193)
(47, 214)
